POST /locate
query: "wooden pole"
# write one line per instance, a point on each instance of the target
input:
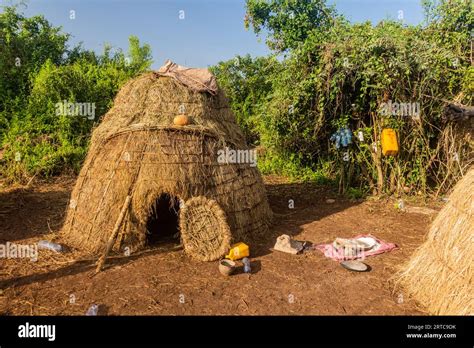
(113, 236)
(118, 223)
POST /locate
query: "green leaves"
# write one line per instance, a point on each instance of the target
(140, 56)
(38, 72)
(336, 74)
(288, 22)
(248, 84)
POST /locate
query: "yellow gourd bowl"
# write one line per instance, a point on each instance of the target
(181, 120)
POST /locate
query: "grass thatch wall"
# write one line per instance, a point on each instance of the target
(440, 274)
(153, 100)
(137, 151)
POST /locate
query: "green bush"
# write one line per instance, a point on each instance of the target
(338, 74)
(37, 137)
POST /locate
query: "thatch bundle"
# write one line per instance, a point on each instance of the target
(137, 151)
(440, 274)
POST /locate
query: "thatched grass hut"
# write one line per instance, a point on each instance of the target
(440, 274)
(171, 173)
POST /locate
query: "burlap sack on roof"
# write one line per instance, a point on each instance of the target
(200, 80)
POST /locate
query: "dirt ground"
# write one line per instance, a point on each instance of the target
(164, 281)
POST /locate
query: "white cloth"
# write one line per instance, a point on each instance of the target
(200, 80)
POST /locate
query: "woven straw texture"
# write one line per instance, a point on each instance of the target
(440, 273)
(137, 151)
(204, 229)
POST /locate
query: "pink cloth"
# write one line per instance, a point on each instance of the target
(338, 255)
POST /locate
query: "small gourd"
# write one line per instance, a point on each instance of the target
(181, 120)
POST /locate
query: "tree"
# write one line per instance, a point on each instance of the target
(140, 56)
(247, 82)
(448, 15)
(38, 73)
(337, 74)
(25, 45)
(289, 22)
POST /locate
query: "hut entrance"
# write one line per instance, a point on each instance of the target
(162, 224)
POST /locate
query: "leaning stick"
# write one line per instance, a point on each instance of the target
(113, 236)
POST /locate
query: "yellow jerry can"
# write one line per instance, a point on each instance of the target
(238, 251)
(389, 142)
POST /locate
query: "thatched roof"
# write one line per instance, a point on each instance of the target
(153, 101)
(137, 152)
(440, 274)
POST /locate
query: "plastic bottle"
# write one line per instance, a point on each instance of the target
(44, 244)
(338, 141)
(401, 204)
(344, 139)
(246, 262)
(348, 135)
(93, 310)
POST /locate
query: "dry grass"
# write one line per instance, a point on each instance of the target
(196, 216)
(150, 100)
(440, 273)
(137, 151)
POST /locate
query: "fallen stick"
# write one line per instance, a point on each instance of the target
(113, 236)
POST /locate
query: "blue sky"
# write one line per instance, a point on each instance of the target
(211, 31)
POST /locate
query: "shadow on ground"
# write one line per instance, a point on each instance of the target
(295, 205)
(29, 213)
(26, 213)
